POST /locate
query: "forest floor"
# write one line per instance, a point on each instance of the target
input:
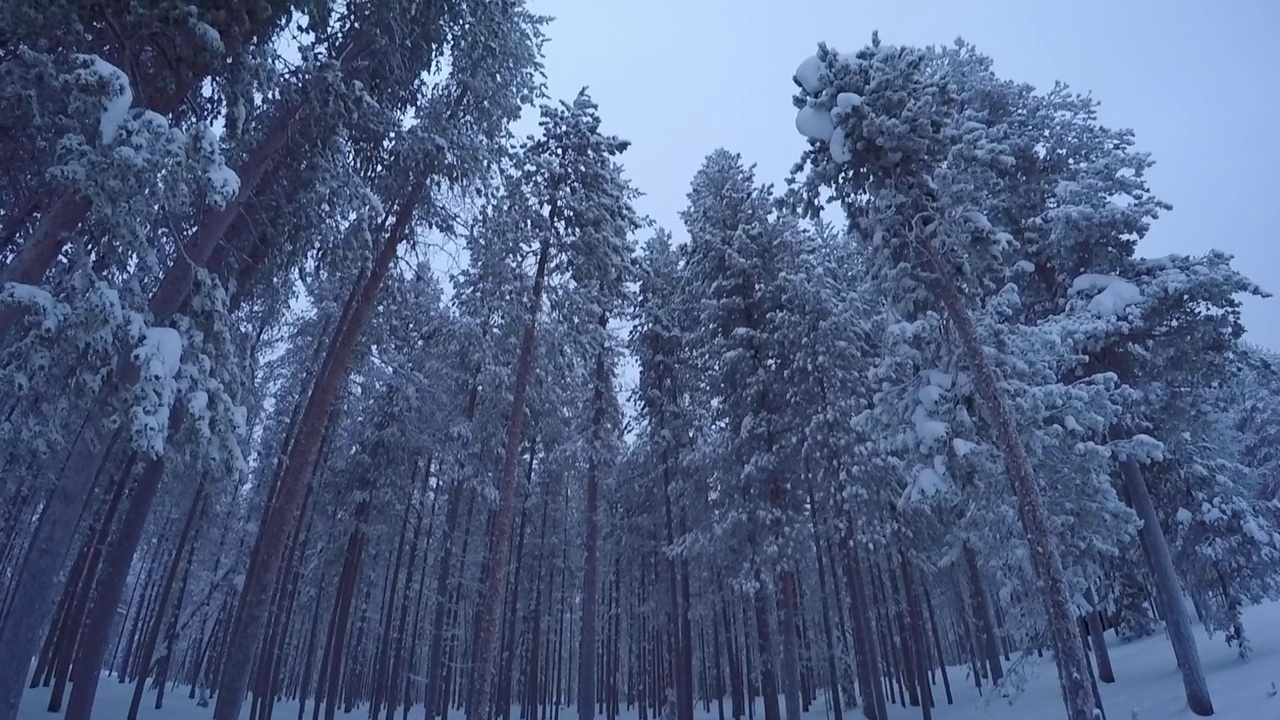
(1148, 687)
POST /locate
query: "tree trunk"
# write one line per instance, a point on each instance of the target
(1168, 589)
(736, 693)
(874, 706)
(788, 621)
(766, 658)
(937, 646)
(491, 602)
(984, 623)
(86, 671)
(396, 689)
(162, 605)
(1073, 674)
(833, 677)
(1101, 656)
(280, 519)
(919, 651)
(591, 569)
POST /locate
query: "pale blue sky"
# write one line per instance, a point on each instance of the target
(1197, 81)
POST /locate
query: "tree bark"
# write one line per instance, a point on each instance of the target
(937, 646)
(833, 677)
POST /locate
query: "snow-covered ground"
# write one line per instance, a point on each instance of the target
(1147, 687)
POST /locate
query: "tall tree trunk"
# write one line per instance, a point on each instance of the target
(736, 692)
(591, 569)
(513, 618)
(685, 660)
(331, 680)
(382, 669)
(1168, 589)
(72, 626)
(281, 518)
(491, 602)
(396, 689)
(92, 649)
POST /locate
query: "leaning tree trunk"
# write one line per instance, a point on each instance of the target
(491, 603)
(281, 518)
(1068, 655)
(1167, 588)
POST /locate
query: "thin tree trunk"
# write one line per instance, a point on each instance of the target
(162, 605)
(766, 656)
(1101, 655)
(382, 669)
(736, 692)
(833, 678)
(937, 646)
(919, 651)
(436, 651)
(874, 706)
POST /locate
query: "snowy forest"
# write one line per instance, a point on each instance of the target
(327, 393)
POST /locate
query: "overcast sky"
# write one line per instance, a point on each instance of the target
(1198, 80)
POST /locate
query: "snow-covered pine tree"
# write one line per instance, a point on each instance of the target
(909, 144)
(570, 199)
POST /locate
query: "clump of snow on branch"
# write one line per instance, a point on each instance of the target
(119, 94)
(1116, 295)
(159, 357)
